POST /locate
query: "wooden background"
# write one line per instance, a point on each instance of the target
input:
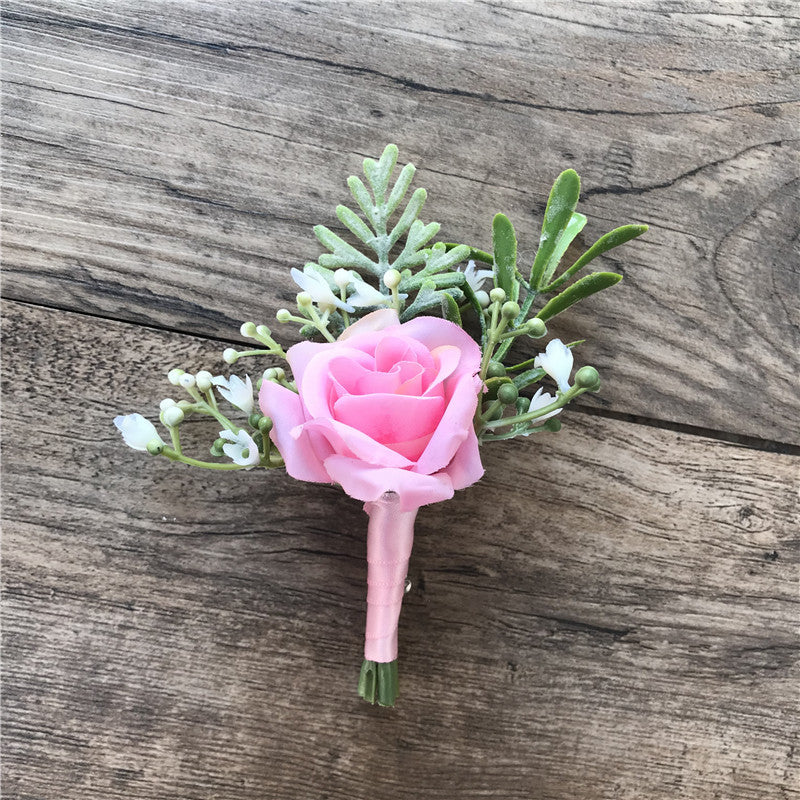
(611, 613)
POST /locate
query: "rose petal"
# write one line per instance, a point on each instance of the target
(365, 482)
(454, 427)
(391, 350)
(347, 374)
(434, 332)
(411, 449)
(300, 354)
(376, 321)
(286, 411)
(390, 417)
(412, 376)
(447, 359)
(316, 381)
(352, 442)
(465, 468)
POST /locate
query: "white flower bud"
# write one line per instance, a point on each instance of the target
(304, 300)
(174, 375)
(283, 315)
(166, 403)
(482, 298)
(230, 356)
(187, 380)
(172, 416)
(248, 329)
(204, 380)
(342, 278)
(391, 278)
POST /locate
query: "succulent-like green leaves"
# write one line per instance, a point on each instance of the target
(504, 245)
(574, 227)
(557, 216)
(586, 286)
(450, 308)
(610, 240)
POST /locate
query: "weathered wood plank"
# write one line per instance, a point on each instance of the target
(610, 613)
(165, 164)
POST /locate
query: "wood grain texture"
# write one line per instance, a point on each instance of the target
(165, 163)
(610, 613)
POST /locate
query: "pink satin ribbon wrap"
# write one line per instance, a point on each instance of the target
(390, 535)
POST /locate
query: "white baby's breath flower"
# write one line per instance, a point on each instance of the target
(475, 277)
(540, 400)
(137, 431)
(556, 361)
(241, 449)
(315, 285)
(236, 391)
(365, 295)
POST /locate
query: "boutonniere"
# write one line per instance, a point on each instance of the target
(407, 372)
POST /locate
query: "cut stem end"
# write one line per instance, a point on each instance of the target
(377, 682)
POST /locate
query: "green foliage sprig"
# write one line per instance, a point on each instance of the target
(395, 263)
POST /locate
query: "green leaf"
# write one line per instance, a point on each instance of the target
(400, 188)
(354, 224)
(474, 253)
(379, 172)
(428, 297)
(447, 281)
(343, 254)
(439, 258)
(504, 245)
(612, 239)
(409, 215)
(528, 377)
(450, 309)
(586, 286)
(361, 196)
(558, 214)
(574, 227)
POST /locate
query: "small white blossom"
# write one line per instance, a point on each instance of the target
(540, 400)
(315, 285)
(475, 277)
(556, 361)
(241, 449)
(137, 431)
(365, 295)
(236, 391)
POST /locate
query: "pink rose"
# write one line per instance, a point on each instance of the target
(386, 408)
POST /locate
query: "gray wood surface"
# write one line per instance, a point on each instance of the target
(165, 163)
(612, 612)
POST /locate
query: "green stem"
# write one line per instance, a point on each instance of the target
(496, 437)
(206, 408)
(559, 402)
(378, 682)
(495, 404)
(523, 313)
(172, 455)
(345, 315)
